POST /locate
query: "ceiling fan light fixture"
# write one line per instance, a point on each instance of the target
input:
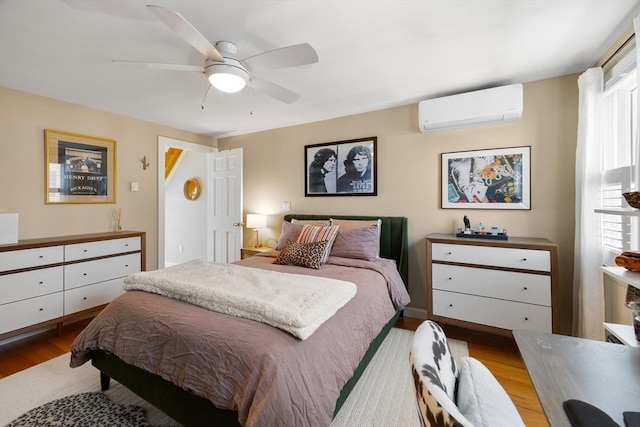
(228, 78)
(227, 82)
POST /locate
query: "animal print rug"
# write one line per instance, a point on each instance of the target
(72, 411)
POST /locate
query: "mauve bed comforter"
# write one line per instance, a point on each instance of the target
(270, 377)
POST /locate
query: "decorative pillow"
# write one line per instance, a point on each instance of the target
(434, 373)
(312, 233)
(289, 232)
(358, 223)
(481, 398)
(318, 222)
(303, 254)
(358, 243)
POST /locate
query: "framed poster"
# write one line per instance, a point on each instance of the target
(79, 168)
(487, 179)
(341, 168)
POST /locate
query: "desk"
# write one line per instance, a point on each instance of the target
(603, 374)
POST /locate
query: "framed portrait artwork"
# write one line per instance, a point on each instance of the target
(79, 168)
(487, 179)
(341, 168)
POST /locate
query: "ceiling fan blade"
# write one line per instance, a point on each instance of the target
(160, 66)
(188, 32)
(290, 56)
(275, 91)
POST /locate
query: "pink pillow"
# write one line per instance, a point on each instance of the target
(289, 232)
(312, 234)
(358, 243)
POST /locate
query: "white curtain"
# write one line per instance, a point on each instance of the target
(588, 293)
(593, 123)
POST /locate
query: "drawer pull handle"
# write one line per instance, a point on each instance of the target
(40, 282)
(84, 250)
(450, 305)
(126, 244)
(41, 256)
(525, 288)
(84, 274)
(523, 259)
(448, 253)
(42, 309)
(126, 265)
(526, 318)
(84, 298)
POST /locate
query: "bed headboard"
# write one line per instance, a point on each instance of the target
(394, 242)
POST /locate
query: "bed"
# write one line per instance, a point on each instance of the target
(316, 374)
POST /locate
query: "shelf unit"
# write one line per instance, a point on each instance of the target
(619, 211)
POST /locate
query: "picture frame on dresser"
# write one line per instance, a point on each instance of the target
(79, 168)
(487, 179)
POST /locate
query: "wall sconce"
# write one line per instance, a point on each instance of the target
(256, 221)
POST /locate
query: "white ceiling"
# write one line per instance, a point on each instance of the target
(372, 54)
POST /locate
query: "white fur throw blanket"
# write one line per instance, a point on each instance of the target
(295, 303)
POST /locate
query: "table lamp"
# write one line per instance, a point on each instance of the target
(256, 221)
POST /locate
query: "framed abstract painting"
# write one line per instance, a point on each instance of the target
(487, 179)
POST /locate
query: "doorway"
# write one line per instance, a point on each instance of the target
(208, 226)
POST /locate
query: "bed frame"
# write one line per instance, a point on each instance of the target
(189, 409)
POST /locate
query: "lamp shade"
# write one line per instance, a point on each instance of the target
(256, 221)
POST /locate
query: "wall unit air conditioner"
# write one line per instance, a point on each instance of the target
(494, 105)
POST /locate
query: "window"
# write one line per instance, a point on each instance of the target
(621, 154)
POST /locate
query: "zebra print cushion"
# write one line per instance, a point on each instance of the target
(435, 372)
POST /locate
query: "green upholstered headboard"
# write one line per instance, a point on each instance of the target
(394, 243)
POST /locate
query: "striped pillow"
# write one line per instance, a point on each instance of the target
(312, 234)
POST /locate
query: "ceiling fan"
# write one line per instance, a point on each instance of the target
(222, 67)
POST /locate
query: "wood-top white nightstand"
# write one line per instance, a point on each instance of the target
(249, 252)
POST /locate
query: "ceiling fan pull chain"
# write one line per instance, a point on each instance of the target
(205, 92)
(250, 97)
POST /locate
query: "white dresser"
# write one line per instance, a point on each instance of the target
(47, 281)
(493, 285)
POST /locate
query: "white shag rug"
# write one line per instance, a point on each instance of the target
(384, 395)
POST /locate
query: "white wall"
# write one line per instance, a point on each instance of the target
(186, 219)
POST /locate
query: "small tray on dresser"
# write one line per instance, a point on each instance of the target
(476, 235)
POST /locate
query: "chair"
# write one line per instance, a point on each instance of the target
(456, 396)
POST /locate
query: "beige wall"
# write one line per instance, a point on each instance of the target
(409, 174)
(23, 119)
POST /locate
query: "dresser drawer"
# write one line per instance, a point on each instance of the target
(29, 284)
(493, 312)
(85, 273)
(523, 259)
(97, 249)
(91, 296)
(27, 312)
(506, 285)
(26, 258)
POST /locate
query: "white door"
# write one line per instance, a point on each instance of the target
(225, 206)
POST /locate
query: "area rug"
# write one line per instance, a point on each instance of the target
(384, 395)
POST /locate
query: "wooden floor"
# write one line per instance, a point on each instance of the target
(497, 353)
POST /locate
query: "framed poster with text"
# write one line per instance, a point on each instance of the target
(79, 168)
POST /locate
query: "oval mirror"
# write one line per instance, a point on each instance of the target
(192, 189)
